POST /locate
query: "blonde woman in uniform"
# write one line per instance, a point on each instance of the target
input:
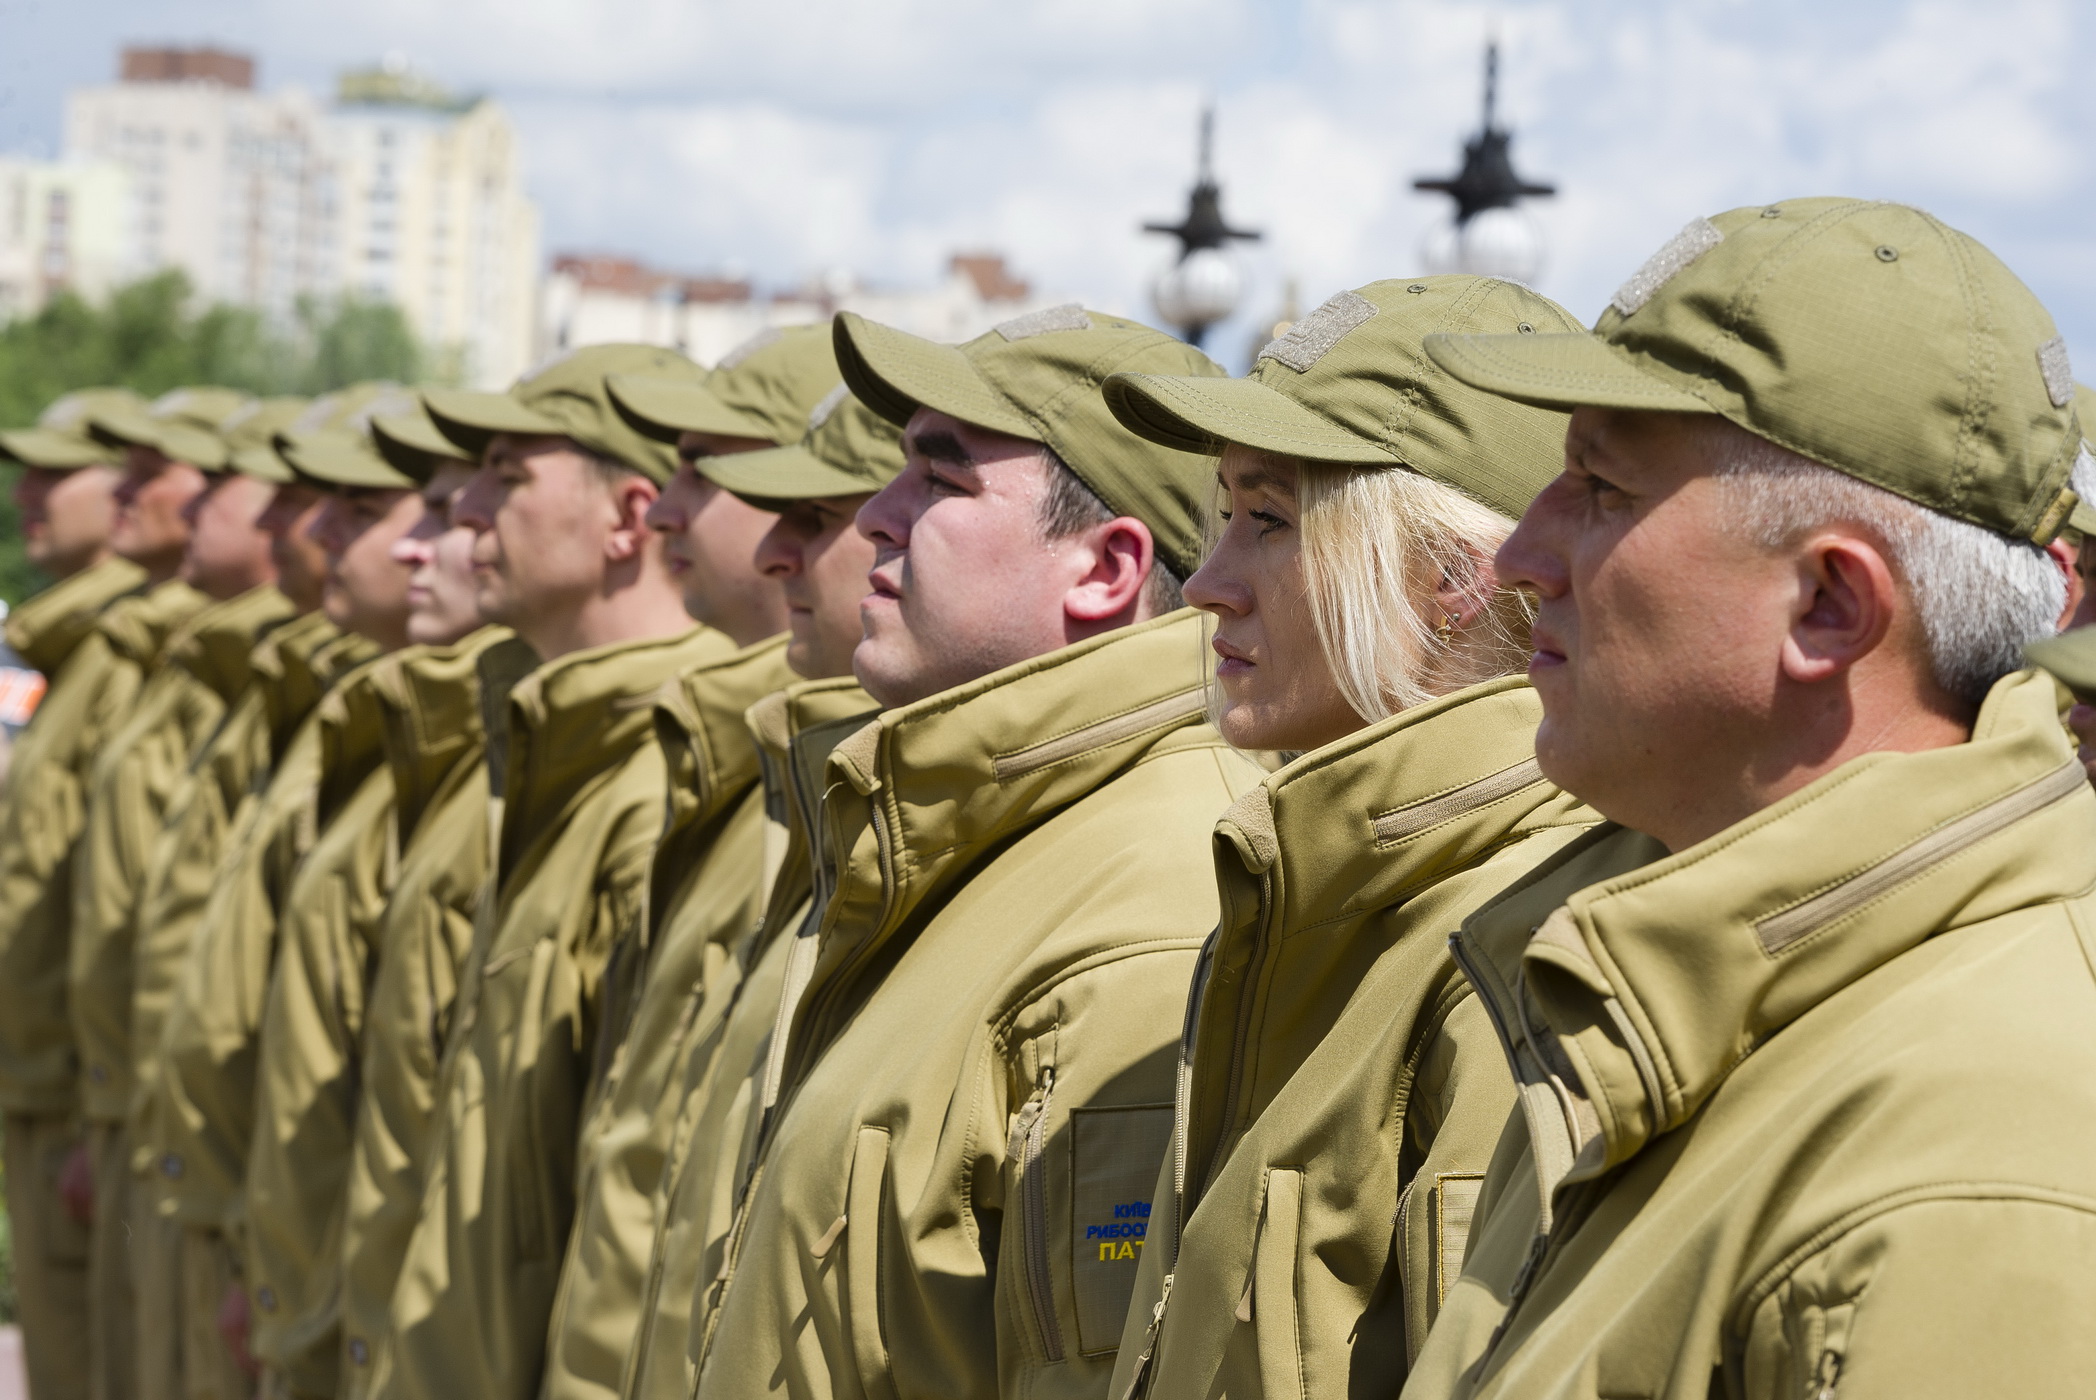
(1340, 1090)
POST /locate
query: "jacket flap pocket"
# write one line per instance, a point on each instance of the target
(1114, 1158)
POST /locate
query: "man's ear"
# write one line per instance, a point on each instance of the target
(629, 535)
(1847, 602)
(1121, 554)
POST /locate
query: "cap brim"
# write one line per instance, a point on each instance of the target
(2083, 519)
(263, 464)
(2071, 657)
(771, 479)
(471, 419)
(412, 446)
(1563, 372)
(1204, 415)
(337, 460)
(125, 427)
(665, 408)
(895, 373)
(55, 452)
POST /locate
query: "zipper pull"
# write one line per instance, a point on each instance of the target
(1829, 1373)
(1142, 1363)
(823, 1246)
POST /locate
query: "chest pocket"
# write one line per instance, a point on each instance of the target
(1114, 1158)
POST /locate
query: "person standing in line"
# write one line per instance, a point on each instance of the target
(564, 556)
(1335, 1070)
(975, 1058)
(66, 498)
(1801, 1033)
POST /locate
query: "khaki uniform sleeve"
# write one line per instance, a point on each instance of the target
(1949, 1296)
(1459, 1108)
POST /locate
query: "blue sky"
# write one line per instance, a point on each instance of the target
(783, 138)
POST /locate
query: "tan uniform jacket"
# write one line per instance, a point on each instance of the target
(439, 706)
(709, 876)
(225, 774)
(1337, 1070)
(729, 1042)
(981, 1064)
(201, 1109)
(135, 776)
(307, 1050)
(89, 686)
(581, 783)
(1807, 1107)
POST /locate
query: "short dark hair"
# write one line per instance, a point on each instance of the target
(1069, 507)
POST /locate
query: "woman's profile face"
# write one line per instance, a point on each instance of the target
(1277, 686)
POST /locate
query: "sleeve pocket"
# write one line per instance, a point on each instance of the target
(862, 1262)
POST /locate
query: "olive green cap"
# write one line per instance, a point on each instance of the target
(1350, 384)
(567, 398)
(185, 425)
(1868, 337)
(849, 450)
(251, 437)
(2071, 657)
(330, 444)
(62, 439)
(410, 442)
(1037, 377)
(764, 388)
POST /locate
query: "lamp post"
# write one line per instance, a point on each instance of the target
(1203, 285)
(1490, 234)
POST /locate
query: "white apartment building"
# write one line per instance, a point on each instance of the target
(395, 192)
(64, 226)
(598, 300)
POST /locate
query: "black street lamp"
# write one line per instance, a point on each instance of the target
(1489, 235)
(1202, 286)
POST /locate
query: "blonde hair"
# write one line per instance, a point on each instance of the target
(1377, 544)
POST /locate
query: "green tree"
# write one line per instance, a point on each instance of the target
(152, 336)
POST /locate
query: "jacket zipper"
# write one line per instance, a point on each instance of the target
(1031, 1132)
(1241, 1033)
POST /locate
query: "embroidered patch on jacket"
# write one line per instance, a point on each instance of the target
(1683, 248)
(1067, 317)
(1313, 337)
(2058, 372)
(1114, 1154)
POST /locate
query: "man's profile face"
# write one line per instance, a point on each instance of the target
(437, 551)
(66, 516)
(151, 529)
(367, 588)
(541, 518)
(300, 562)
(709, 536)
(1658, 628)
(819, 559)
(963, 582)
(228, 550)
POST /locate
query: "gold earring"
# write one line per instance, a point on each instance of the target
(1447, 630)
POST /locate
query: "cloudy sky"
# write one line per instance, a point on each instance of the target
(783, 138)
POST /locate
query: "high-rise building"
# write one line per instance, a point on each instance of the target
(396, 192)
(64, 226)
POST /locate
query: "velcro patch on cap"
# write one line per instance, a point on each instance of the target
(1067, 317)
(1683, 248)
(64, 414)
(172, 402)
(820, 414)
(748, 348)
(2058, 372)
(1312, 338)
(317, 413)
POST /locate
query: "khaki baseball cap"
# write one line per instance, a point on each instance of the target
(251, 437)
(330, 444)
(764, 388)
(1869, 337)
(1037, 377)
(62, 439)
(566, 398)
(185, 425)
(411, 444)
(849, 450)
(1350, 384)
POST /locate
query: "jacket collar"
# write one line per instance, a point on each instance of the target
(1348, 830)
(216, 646)
(795, 729)
(430, 708)
(923, 795)
(575, 720)
(1628, 983)
(284, 664)
(707, 747)
(138, 627)
(44, 630)
(351, 725)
